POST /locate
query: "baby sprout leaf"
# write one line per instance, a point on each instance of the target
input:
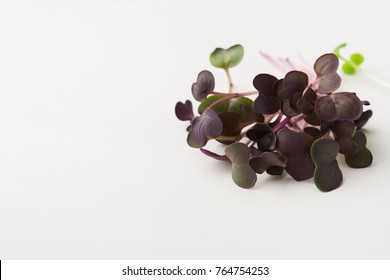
(227, 58)
(357, 58)
(204, 85)
(327, 174)
(242, 173)
(208, 125)
(348, 68)
(363, 157)
(184, 111)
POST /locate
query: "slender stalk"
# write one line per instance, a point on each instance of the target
(281, 124)
(374, 78)
(249, 93)
(367, 74)
(229, 79)
(287, 120)
(216, 102)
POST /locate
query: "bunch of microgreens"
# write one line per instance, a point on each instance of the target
(292, 125)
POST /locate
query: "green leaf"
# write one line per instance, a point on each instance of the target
(227, 58)
(235, 105)
(348, 68)
(219, 108)
(231, 105)
(357, 58)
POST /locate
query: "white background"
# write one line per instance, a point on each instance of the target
(94, 164)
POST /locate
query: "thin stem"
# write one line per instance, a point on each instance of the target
(216, 102)
(272, 61)
(374, 78)
(364, 72)
(227, 96)
(229, 79)
(235, 94)
(281, 124)
(287, 120)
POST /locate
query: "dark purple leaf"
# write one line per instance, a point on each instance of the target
(366, 115)
(343, 131)
(280, 90)
(306, 103)
(329, 83)
(184, 111)
(339, 106)
(327, 174)
(363, 157)
(263, 135)
(313, 132)
(208, 125)
(300, 167)
(325, 64)
(204, 85)
(265, 104)
(267, 160)
(295, 146)
(295, 81)
(264, 84)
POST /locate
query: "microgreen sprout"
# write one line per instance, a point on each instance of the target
(227, 58)
(353, 65)
(290, 125)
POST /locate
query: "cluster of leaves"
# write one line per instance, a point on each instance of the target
(293, 125)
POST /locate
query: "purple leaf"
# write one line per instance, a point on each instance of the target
(264, 83)
(204, 85)
(329, 83)
(343, 131)
(339, 106)
(325, 64)
(206, 126)
(184, 111)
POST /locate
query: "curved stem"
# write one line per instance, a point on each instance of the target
(281, 124)
(287, 120)
(229, 79)
(216, 102)
(248, 93)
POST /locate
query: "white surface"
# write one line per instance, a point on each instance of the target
(93, 163)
